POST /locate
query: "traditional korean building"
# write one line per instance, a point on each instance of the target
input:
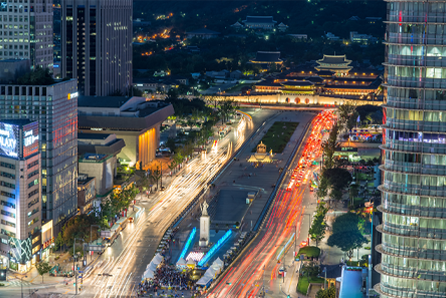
(260, 22)
(339, 64)
(298, 87)
(282, 27)
(266, 59)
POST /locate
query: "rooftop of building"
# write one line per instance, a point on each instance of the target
(83, 179)
(269, 83)
(92, 136)
(203, 31)
(334, 59)
(263, 56)
(297, 83)
(102, 101)
(142, 118)
(259, 19)
(19, 122)
(99, 143)
(93, 157)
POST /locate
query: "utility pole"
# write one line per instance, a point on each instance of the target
(74, 261)
(91, 234)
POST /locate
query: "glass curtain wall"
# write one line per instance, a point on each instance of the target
(413, 248)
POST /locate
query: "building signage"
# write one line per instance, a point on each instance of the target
(9, 141)
(30, 139)
(73, 95)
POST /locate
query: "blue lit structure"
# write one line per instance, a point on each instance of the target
(215, 248)
(188, 243)
(288, 243)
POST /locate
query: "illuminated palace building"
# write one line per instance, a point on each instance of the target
(134, 120)
(413, 249)
(54, 106)
(332, 76)
(20, 204)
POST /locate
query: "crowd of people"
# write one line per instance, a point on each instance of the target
(168, 278)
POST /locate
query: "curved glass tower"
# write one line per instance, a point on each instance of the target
(413, 227)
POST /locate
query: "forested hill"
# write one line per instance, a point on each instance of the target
(310, 17)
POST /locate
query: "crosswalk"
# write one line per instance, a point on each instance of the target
(17, 283)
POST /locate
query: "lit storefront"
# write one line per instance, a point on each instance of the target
(47, 239)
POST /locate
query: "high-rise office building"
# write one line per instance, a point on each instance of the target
(413, 249)
(20, 194)
(97, 45)
(54, 106)
(27, 31)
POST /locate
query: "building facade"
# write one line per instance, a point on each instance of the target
(27, 31)
(97, 45)
(413, 249)
(20, 218)
(55, 108)
(134, 120)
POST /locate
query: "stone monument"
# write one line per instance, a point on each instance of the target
(205, 224)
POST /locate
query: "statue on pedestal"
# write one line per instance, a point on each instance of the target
(205, 224)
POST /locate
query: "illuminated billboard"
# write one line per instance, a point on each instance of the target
(9, 140)
(30, 139)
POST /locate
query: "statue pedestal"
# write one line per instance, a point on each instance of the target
(205, 224)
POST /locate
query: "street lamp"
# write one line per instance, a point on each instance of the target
(74, 261)
(91, 236)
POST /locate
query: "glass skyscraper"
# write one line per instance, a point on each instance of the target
(413, 249)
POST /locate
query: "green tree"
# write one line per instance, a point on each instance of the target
(172, 167)
(58, 243)
(42, 268)
(155, 175)
(338, 179)
(326, 293)
(347, 241)
(310, 269)
(317, 229)
(346, 233)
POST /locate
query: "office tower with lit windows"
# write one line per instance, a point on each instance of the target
(54, 106)
(97, 45)
(26, 31)
(413, 249)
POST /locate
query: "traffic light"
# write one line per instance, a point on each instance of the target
(229, 283)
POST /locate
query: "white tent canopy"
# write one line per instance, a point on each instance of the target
(157, 259)
(218, 262)
(216, 268)
(152, 266)
(191, 262)
(148, 274)
(204, 280)
(181, 262)
(210, 273)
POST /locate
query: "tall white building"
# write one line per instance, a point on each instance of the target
(97, 45)
(26, 31)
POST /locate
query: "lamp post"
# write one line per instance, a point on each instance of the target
(74, 261)
(21, 284)
(91, 235)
